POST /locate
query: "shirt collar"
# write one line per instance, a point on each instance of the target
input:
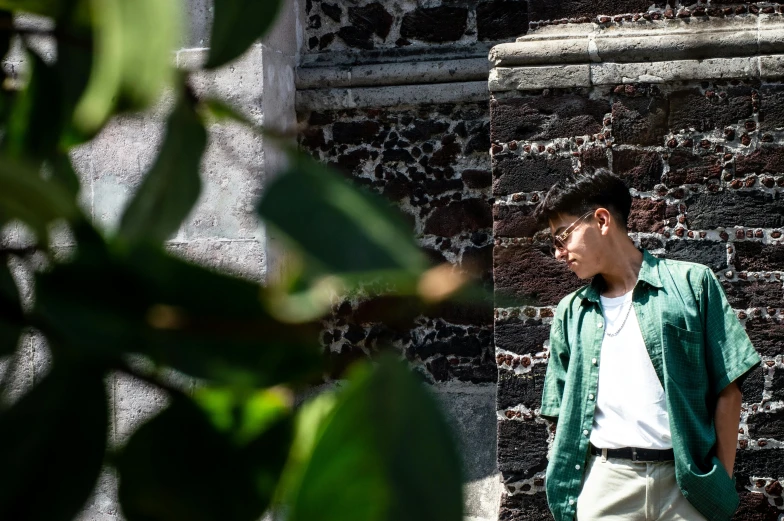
(649, 274)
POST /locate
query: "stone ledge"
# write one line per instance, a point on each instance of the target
(392, 96)
(663, 40)
(395, 73)
(584, 55)
(610, 73)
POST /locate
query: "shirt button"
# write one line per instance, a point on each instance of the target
(577, 467)
(571, 501)
(585, 432)
(600, 325)
(590, 397)
(593, 361)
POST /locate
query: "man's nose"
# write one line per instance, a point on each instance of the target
(560, 254)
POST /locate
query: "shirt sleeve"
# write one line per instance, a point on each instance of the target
(728, 350)
(557, 365)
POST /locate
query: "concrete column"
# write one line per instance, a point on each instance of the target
(222, 231)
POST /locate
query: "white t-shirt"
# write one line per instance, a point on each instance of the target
(631, 409)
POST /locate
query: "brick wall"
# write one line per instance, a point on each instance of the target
(705, 162)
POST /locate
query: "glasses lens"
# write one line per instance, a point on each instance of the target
(556, 245)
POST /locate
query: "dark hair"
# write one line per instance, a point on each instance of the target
(584, 192)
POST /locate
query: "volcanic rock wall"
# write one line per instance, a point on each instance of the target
(394, 95)
(701, 147)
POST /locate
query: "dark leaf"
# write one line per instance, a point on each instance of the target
(11, 318)
(169, 191)
(63, 171)
(52, 444)
(34, 123)
(26, 196)
(6, 23)
(237, 24)
(179, 466)
(74, 63)
(388, 435)
(341, 228)
(41, 119)
(181, 315)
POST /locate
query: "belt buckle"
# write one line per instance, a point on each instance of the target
(634, 453)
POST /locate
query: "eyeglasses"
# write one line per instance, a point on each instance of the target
(559, 241)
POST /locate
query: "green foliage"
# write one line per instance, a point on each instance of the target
(172, 187)
(231, 444)
(377, 413)
(52, 444)
(25, 195)
(181, 466)
(237, 24)
(132, 57)
(339, 227)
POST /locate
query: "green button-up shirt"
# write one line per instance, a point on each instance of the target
(697, 347)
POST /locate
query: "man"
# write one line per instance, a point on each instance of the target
(643, 373)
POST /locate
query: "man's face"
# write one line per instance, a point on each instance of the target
(576, 243)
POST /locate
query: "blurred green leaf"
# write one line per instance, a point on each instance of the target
(178, 466)
(133, 58)
(171, 188)
(63, 172)
(41, 118)
(152, 32)
(388, 435)
(33, 129)
(52, 442)
(202, 323)
(341, 228)
(52, 8)
(243, 415)
(221, 111)
(11, 316)
(75, 59)
(309, 423)
(237, 24)
(26, 196)
(106, 77)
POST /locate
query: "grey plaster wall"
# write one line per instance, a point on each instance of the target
(222, 231)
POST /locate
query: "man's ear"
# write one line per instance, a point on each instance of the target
(605, 219)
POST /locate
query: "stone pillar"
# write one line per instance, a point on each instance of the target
(687, 106)
(223, 230)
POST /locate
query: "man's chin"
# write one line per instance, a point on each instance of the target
(582, 273)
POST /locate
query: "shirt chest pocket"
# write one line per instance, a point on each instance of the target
(684, 354)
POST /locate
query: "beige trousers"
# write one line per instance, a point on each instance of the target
(623, 490)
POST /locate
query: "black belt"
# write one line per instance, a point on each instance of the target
(635, 454)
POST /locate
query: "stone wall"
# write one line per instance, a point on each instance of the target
(412, 26)
(394, 95)
(432, 162)
(703, 158)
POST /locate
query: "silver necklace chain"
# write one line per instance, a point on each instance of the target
(628, 312)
